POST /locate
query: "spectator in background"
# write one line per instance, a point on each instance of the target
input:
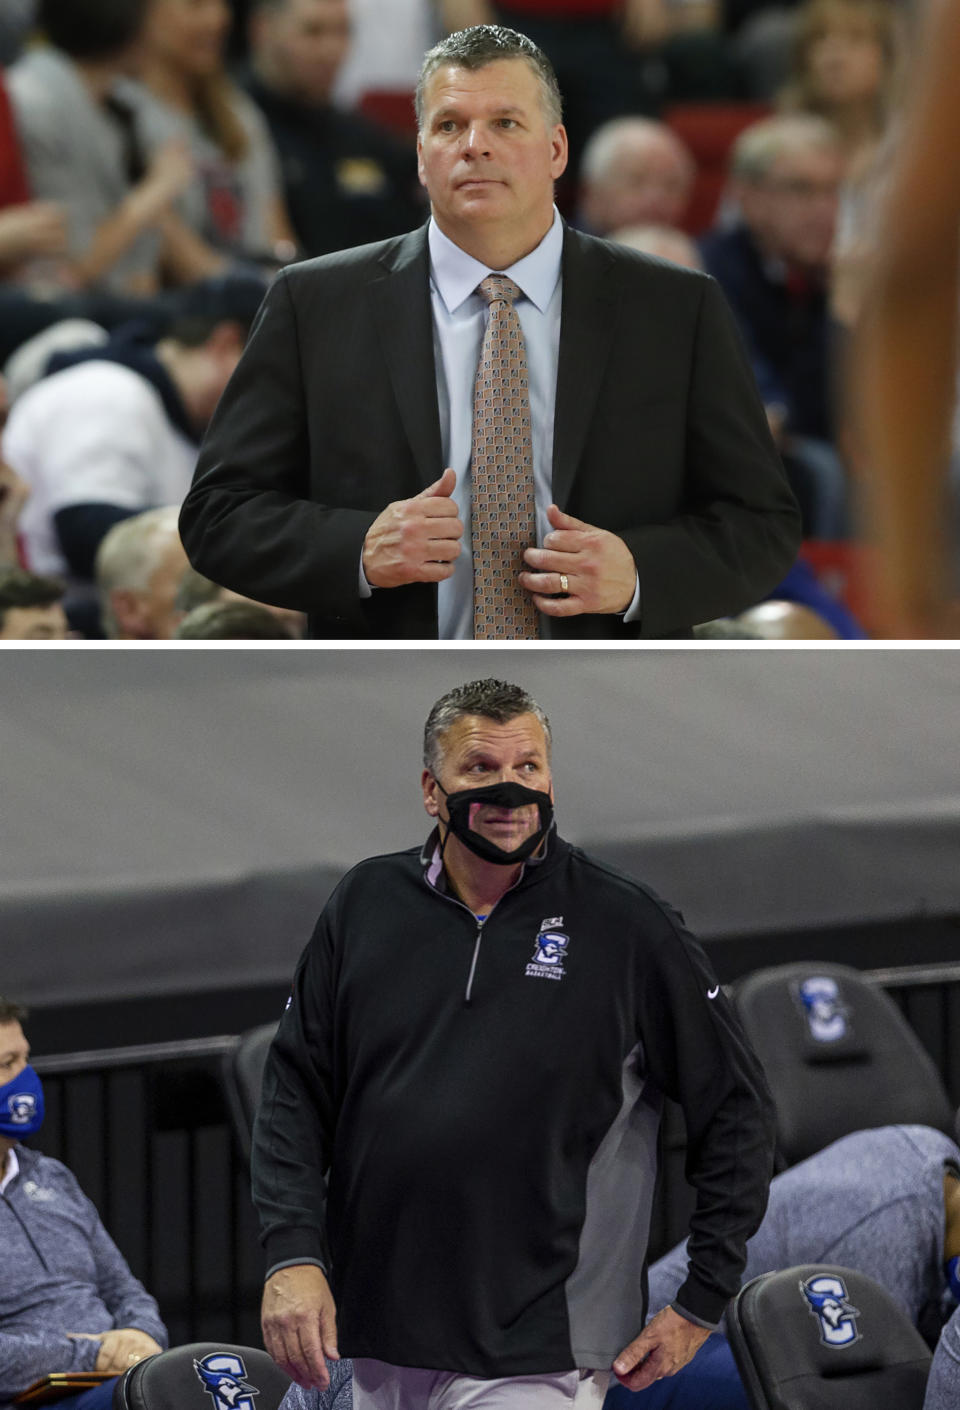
(233, 208)
(346, 181)
(68, 1301)
(236, 621)
(195, 591)
(388, 40)
(30, 608)
(885, 1201)
(83, 151)
(773, 265)
(634, 172)
(115, 429)
(846, 68)
(138, 569)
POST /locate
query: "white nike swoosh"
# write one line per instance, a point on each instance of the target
(712, 993)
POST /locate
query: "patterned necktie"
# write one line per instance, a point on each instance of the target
(502, 512)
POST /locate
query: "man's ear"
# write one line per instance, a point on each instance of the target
(431, 800)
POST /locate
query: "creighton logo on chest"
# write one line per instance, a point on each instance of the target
(550, 952)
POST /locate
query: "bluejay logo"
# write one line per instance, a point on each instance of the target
(826, 1296)
(224, 1377)
(550, 951)
(825, 1010)
(22, 1107)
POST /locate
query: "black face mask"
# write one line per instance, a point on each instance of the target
(500, 795)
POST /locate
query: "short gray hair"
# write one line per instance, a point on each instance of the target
(491, 699)
(759, 145)
(128, 556)
(484, 44)
(603, 147)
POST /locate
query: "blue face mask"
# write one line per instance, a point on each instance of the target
(21, 1105)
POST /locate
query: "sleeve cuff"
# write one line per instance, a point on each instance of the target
(295, 1244)
(632, 613)
(697, 1321)
(296, 1263)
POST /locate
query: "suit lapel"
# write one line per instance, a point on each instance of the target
(401, 308)
(586, 335)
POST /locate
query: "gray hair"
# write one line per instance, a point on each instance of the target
(759, 146)
(603, 147)
(490, 698)
(484, 44)
(129, 554)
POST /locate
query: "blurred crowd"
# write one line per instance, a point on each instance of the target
(161, 159)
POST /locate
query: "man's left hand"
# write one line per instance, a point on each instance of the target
(123, 1348)
(667, 1342)
(599, 569)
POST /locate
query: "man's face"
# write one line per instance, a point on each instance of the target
(35, 624)
(152, 615)
(487, 155)
(14, 1052)
(305, 43)
(793, 210)
(648, 184)
(478, 752)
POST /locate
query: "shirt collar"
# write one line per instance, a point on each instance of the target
(457, 274)
(10, 1171)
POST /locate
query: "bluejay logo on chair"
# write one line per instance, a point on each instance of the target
(827, 1300)
(825, 1010)
(224, 1377)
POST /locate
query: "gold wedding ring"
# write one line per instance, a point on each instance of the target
(564, 584)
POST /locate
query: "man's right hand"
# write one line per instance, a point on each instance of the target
(299, 1320)
(415, 540)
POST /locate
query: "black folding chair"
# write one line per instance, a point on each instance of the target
(821, 1337)
(204, 1375)
(838, 1054)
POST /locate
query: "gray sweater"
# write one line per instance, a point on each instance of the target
(871, 1201)
(59, 1272)
(943, 1387)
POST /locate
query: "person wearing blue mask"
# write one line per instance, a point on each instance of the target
(68, 1301)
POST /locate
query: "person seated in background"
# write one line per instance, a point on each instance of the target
(68, 1301)
(115, 429)
(82, 148)
(634, 172)
(347, 182)
(139, 565)
(28, 229)
(773, 265)
(195, 591)
(885, 1202)
(231, 621)
(31, 607)
(232, 209)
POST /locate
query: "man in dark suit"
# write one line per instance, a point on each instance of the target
(660, 501)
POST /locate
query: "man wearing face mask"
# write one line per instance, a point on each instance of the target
(457, 1136)
(68, 1301)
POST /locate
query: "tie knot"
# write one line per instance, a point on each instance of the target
(498, 287)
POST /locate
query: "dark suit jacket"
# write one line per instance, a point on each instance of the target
(332, 414)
